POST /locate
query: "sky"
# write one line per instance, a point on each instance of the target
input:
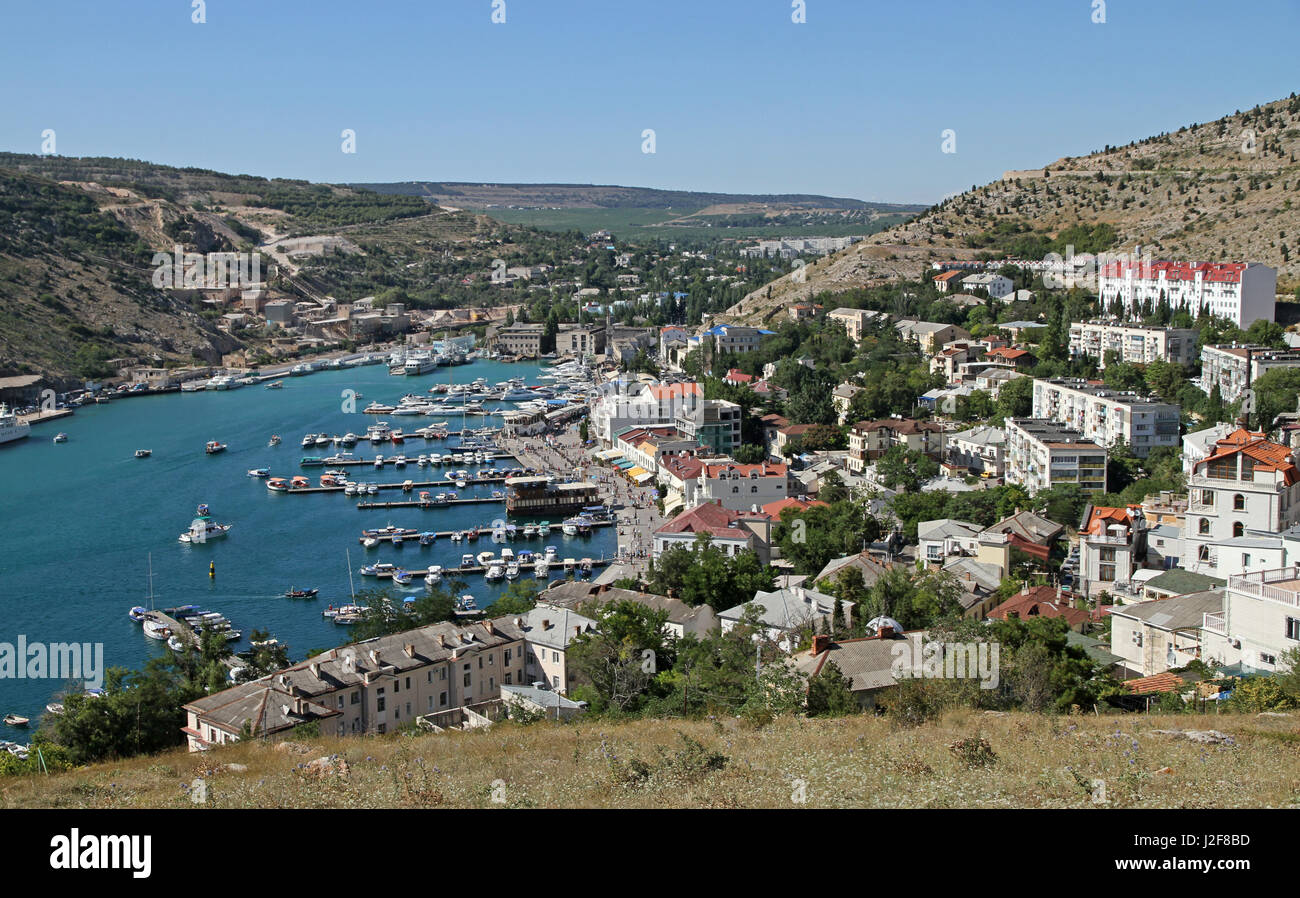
(855, 101)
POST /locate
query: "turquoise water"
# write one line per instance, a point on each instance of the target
(79, 520)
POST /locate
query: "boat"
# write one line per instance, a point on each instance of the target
(299, 483)
(143, 453)
(428, 538)
(54, 707)
(570, 527)
(301, 593)
(275, 385)
(203, 528)
(570, 564)
(584, 567)
(213, 447)
(259, 472)
(372, 489)
(277, 484)
(495, 572)
(60, 437)
(174, 643)
(138, 613)
(466, 605)
(300, 370)
(551, 552)
(369, 542)
(434, 576)
(308, 441)
(512, 570)
(530, 530)
(397, 542)
(323, 439)
(311, 461)
(156, 629)
(402, 577)
(16, 720)
(486, 558)
(390, 531)
(467, 560)
(11, 428)
(378, 569)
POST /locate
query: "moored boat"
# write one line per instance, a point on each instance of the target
(213, 447)
(16, 720)
(143, 453)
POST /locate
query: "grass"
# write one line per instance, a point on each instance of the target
(1030, 762)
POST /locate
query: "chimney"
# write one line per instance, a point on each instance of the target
(442, 640)
(315, 669)
(409, 649)
(820, 643)
(885, 632)
(546, 623)
(374, 655)
(487, 625)
(519, 622)
(577, 630)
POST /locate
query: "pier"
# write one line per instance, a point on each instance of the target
(329, 461)
(415, 485)
(554, 565)
(445, 503)
(481, 531)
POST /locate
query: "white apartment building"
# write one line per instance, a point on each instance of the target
(1106, 416)
(742, 487)
(996, 285)
(1242, 292)
(981, 449)
(1112, 546)
(1247, 482)
(854, 321)
(1041, 454)
(1259, 622)
(1132, 342)
(1231, 367)
(625, 404)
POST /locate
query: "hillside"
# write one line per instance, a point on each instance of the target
(632, 212)
(1038, 761)
(1222, 190)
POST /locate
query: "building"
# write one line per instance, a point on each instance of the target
(868, 440)
(929, 335)
(536, 699)
(783, 613)
(1233, 368)
(1246, 482)
(369, 687)
(734, 338)
(1041, 454)
(995, 285)
(1258, 623)
(1242, 292)
(1112, 545)
(682, 619)
(730, 531)
(1134, 343)
(521, 339)
(625, 404)
(980, 450)
(714, 423)
(1199, 444)
(869, 662)
(1152, 637)
(548, 633)
(944, 282)
(1107, 416)
(938, 540)
(1041, 601)
(842, 399)
(580, 340)
(741, 487)
(854, 321)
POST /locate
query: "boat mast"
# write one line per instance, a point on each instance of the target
(351, 587)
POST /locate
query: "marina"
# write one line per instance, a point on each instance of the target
(140, 506)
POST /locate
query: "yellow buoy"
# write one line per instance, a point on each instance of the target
(212, 569)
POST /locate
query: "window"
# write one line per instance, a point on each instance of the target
(1239, 502)
(1267, 658)
(1238, 528)
(1293, 628)
(555, 656)
(1203, 528)
(467, 676)
(442, 699)
(356, 697)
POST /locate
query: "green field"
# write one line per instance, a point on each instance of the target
(631, 223)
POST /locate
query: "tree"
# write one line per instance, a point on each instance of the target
(519, 597)
(1016, 398)
(906, 468)
(830, 693)
(616, 664)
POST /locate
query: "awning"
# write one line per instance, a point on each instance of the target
(624, 464)
(635, 471)
(609, 454)
(643, 476)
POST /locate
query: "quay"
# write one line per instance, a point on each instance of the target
(52, 414)
(481, 531)
(477, 500)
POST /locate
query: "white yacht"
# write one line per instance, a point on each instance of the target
(10, 427)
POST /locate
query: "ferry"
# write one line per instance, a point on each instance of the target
(11, 428)
(419, 364)
(143, 453)
(311, 461)
(213, 447)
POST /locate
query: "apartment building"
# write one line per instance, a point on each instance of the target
(1132, 342)
(946, 281)
(734, 338)
(1259, 621)
(1242, 292)
(930, 335)
(730, 531)
(547, 634)
(580, 340)
(868, 440)
(1232, 367)
(996, 285)
(1106, 416)
(1246, 483)
(371, 686)
(1152, 637)
(854, 321)
(714, 423)
(1112, 545)
(980, 450)
(629, 404)
(1041, 454)
(518, 339)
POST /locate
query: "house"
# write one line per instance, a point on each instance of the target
(869, 662)
(1041, 601)
(783, 613)
(1164, 546)
(1112, 545)
(995, 285)
(980, 450)
(803, 311)
(944, 282)
(537, 699)
(730, 531)
(868, 440)
(1201, 443)
(741, 487)
(1177, 582)
(697, 620)
(842, 399)
(948, 361)
(945, 537)
(1029, 532)
(775, 508)
(548, 634)
(1152, 637)
(930, 335)
(979, 582)
(867, 566)
(1019, 359)
(1259, 622)
(1246, 481)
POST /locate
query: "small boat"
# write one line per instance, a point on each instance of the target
(16, 720)
(495, 572)
(299, 483)
(466, 605)
(541, 569)
(456, 535)
(369, 542)
(275, 385)
(275, 440)
(202, 529)
(323, 439)
(584, 568)
(308, 441)
(485, 559)
(512, 570)
(137, 613)
(402, 577)
(551, 553)
(143, 453)
(213, 447)
(301, 593)
(379, 569)
(570, 565)
(60, 437)
(156, 629)
(434, 576)
(372, 489)
(54, 707)
(174, 643)
(397, 542)
(259, 472)
(277, 484)
(428, 538)
(530, 530)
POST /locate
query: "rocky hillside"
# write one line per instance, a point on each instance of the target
(1223, 190)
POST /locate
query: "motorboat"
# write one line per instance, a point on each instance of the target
(174, 643)
(570, 527)
(495, 572)
(323, 439)
(311, 461)
(259, 472)
(507, 555)
(512, 570)
(277, 484)
(570, 565)
(370, 542)
(434, 576)
(584, 568)
(143, 453)
(213, 447)
(402, 577)
(390, 531)
(274, 441)
(551, 553)
(466, 605)
(486, 558)
(60, 437)
(378, 569)
(16, 720)
(275, 385)
(372, 489)
(308, 441)
(156, 629)
(299, 483)
(137, 613)
(202, 529)
(301, 593)
(428, 538)
(55, 707)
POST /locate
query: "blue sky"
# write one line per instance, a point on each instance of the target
(741, 99)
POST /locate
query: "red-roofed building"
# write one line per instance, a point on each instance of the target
(942, 282)
(731, 531)
(1246, 483)
(1040, 601)
(742, 487)
(1243, 292)
(868, 440)
(736, 377)
(1016, 358)
(1112, 545)
(775, 508)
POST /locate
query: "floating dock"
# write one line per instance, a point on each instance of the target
(556, 565)
(482, 531)
(446, 503)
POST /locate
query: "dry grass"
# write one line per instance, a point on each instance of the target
(853, 762)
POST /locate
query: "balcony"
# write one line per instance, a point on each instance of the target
(1279, 585)
(1214, 622)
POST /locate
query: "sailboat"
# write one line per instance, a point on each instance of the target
(154, 629)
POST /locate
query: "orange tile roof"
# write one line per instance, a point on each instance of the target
(1267, 455)
(764, 469)
(1103, 516)
(780, 505)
